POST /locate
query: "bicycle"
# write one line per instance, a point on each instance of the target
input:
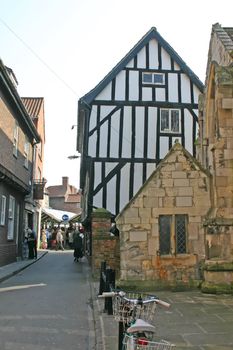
(133, 311)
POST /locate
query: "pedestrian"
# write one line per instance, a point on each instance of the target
(78, 245)
(59, 240)
(70, 233)
(31, 244)
(25, 248)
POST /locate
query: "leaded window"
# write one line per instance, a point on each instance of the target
(170, 120)
(172, 234)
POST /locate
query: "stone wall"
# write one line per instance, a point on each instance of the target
(178, 186)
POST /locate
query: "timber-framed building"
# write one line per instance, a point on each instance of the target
(130, 120)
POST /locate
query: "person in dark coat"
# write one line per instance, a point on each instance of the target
(78, 245)
(31, 244)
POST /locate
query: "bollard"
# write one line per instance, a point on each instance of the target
(102, 277)
(110, 284)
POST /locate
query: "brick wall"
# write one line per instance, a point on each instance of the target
(104, 246)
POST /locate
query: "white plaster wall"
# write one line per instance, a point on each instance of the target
(196, 93)
(93, 118)
(137, 177)
(124, 187)
(164, 146)
(97, 199)
(176, 66)
(141, 58)
(92, 145)
(130, 64)
(139, 132)
(127, 132)
(105, 110)
(105, 94)
(120, 86)
(150, 168)
(115, 125)
(111, 195)
(172, 87)
(185, 89)
(166, 60)
(97, 174)
(188, 127)
(153, 54)
(103, 140)
(152, 130)
(146, 94)
(109, 167)
(133, 85)
(160, 94)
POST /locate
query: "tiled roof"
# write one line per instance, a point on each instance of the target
(73, 198)
(33, 105)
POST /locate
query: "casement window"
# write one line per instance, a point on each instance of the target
(11, 218)
(173, 234)
(153, 78)
(3, 211)
(15, 139)
(26, 152)
(170, 120)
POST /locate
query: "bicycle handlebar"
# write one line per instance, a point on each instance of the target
(122, 295)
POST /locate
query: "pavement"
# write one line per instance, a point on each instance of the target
(195, 321)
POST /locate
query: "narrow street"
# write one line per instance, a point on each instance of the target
(47, 306)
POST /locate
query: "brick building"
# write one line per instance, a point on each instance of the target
(18, 136)
(64, 197)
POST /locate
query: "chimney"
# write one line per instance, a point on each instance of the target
(65, 181)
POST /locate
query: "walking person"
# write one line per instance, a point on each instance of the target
(78, 245)
(59, 240)
(31, 244)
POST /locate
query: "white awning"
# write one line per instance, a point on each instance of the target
(58, 216)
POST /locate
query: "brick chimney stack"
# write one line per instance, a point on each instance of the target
(65, 181)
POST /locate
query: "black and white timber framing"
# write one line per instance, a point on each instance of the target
(130, 120)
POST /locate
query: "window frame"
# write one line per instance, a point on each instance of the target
(152, 82)
(3, 211)
(172, 244)
(11, 218)
(169, 128)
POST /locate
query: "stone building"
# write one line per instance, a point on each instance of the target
(215, 152)
(178, 229)
(161, 233)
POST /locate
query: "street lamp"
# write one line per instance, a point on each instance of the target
(73, 157)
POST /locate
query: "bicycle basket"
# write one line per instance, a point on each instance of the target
(134, 343)
(127, 311)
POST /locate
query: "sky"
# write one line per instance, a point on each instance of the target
(61, 49)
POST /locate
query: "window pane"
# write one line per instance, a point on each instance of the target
(158, 78)
(164, 120)
(147, 78)
(164, 234)
(175, 121)
(180, 233)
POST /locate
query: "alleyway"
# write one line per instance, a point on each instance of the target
(49, 306)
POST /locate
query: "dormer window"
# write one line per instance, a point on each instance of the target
(153, 78)
(170, 120)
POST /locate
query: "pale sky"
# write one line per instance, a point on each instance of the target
(61, 49)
